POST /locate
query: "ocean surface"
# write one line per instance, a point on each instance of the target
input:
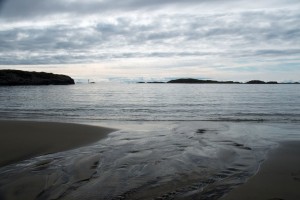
(176, 141)
(152, 102)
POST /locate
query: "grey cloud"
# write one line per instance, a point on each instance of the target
(240, 35)
(37, 8)
(51, 38)
(1, 4)
(67, 57)
(272, 52)
(20, 10)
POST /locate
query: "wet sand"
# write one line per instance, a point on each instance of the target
(277, 179)
(20, 140)
(188, 160)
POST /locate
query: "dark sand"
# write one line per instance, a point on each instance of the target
(20, 140)
(277, 179)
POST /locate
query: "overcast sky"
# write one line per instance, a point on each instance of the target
(153, 39)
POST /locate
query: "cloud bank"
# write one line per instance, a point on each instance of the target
(218, 36)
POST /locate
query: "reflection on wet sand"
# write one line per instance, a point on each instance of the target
(159, 161)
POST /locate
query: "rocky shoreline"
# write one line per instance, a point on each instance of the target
(18, 77)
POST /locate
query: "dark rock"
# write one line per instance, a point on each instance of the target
(18, 77)
(255, 82)
(272, 82)
(201, 131)
(189, 80)
(197, 81)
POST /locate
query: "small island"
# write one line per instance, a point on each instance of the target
(19, 77)
(199, 81)
(192, 80)
(261, 82)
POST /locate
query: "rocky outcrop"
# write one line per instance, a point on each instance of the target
(197, 81)
(18, 77)
(255, 82)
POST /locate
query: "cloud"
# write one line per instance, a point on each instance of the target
(172, 34)
(222, 35)
(15, 9)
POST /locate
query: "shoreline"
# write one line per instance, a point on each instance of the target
(184, 161)
(278, 177)
(21, 140)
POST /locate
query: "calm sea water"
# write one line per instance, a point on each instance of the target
(152, 102)
(175, 141)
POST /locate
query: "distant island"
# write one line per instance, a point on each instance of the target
(19, 77)
(197, 81)
(192, 80)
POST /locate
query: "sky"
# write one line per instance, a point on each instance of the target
(153, 40)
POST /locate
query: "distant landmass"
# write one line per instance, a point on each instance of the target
(261, 82)
(18, 77)
(197, 81)
(191, 80)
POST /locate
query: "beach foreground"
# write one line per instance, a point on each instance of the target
(277, 179)
(21, 140)
(149, 160)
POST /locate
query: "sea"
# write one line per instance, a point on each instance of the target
(173, 141)
(152, 102)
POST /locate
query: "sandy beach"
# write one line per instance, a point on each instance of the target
(277, 179)
(146, 161)
(24, 139)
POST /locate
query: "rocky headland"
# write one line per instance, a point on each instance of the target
(18, 77)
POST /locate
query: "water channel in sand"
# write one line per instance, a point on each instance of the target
(148, 160)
